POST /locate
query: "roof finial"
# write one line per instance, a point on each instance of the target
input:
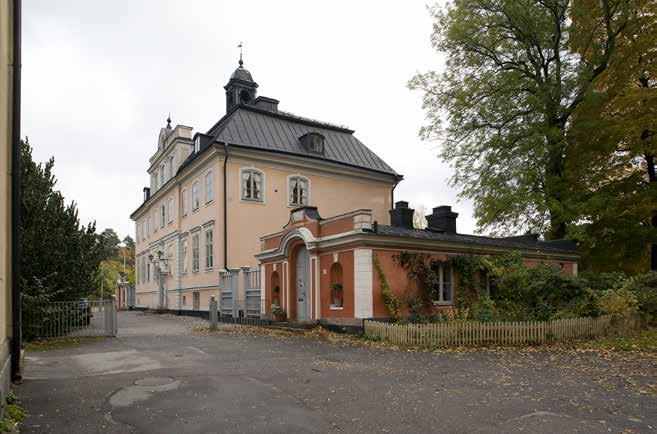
(241, 61)
(169, 121)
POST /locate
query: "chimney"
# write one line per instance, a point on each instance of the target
(270, 104)
(442, 220)
(402, 215)
(147, 193)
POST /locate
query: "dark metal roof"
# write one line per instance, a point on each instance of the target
(562, 246)
(277, 131)
(242, 73)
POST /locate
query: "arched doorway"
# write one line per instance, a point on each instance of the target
(303, 287)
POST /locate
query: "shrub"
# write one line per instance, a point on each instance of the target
(620, 303)
(484, 310)
(644, 287)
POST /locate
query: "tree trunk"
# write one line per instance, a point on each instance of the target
(554, 180)
(652, 178)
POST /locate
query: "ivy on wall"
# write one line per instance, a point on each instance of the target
(390, 301)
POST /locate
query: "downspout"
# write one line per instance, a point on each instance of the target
(16, 375)
(398, 179)
(225, 208)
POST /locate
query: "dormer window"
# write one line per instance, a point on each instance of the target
(197, 144)
(313, 142)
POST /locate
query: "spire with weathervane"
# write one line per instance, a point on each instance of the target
(240, 89)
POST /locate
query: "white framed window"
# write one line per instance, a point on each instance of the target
(183, 256)
(162, 216)
(155, 220)
(148, 271)
(138, 273)
(195, 196)
(195, 252)
(185, 203)
(137, 234)
(209, 256)
(148, 227)
(170, 209)
(144, 230)
(170, 260)
(197, 144)
(251, 184)
(442, 293)
(162, 175)
(298, 188)
(171, 166)
(209, 187)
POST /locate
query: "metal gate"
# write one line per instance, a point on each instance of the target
(253, 305)
(227, 288)
(68, 318)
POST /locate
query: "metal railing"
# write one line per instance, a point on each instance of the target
(249, 308)
(69, 318)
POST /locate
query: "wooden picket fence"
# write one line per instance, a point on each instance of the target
(470, 333)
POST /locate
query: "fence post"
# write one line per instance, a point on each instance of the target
(107, 306)
(213, 313)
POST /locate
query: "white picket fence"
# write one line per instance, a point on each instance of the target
(470, 333)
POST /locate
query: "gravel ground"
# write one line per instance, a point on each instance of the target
(169, 374)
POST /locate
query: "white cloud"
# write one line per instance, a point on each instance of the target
(100, 78)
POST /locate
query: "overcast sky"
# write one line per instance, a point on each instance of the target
(99, 79)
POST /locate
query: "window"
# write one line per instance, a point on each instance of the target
(162, 216)
(171, 166)
(155, 220)
(195, 199)
(298, 191)
(137, 231)
(209, 258)
(162, 175)
(184, 203)
(184, 256)
(144, 230)
(154, 181)
(195, 252)
(170, 209)
(169, 263)
(251, 185)
(138, 277)
(148, 226)
(197, 144)
(196, 300)
(148, 271)
(209, 187)
(442, 292)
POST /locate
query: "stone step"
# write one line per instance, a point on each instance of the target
(294, 325)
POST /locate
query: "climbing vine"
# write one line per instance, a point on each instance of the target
(467, 267)
(390, 301)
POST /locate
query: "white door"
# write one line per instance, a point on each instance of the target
(303, 290)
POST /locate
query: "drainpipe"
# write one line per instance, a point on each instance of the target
(398, 179)
(225, 208)
(16, 375)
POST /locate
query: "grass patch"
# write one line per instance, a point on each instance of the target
(57, 343)
(643, 340)
(13, 414)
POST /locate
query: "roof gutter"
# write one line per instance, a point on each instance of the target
(16, 196)
(398, 179)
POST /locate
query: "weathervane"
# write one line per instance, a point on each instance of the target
(240, 47)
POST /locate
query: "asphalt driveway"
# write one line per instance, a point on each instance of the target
(161, 375)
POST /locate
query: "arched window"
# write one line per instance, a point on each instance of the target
(245, 97)
(298, 191)
(337, 291)
(275, 289)
(195, 198)
(251, 185)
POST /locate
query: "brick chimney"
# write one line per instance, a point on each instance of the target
(402, 215)
(443, 219)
